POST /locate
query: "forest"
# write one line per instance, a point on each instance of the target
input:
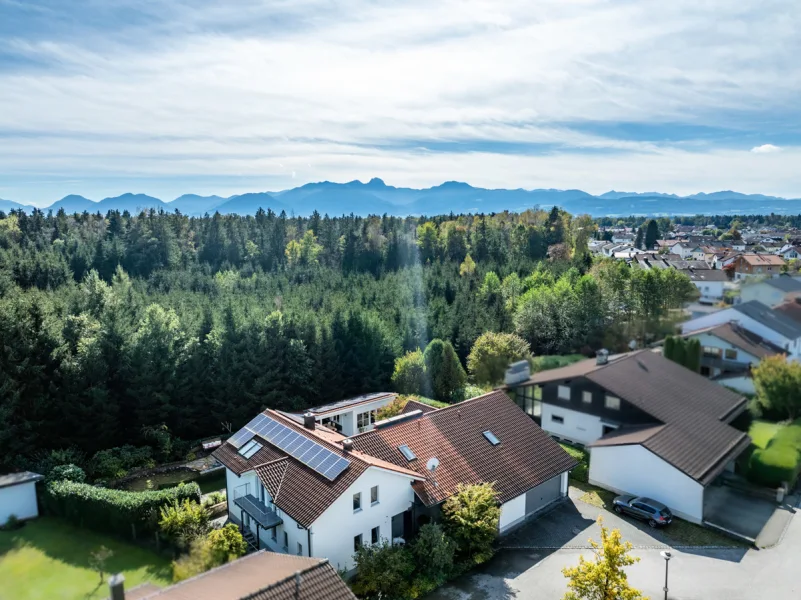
(157, 329)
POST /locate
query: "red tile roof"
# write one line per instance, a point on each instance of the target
(413, 405)
(525, 458)
(263, 576)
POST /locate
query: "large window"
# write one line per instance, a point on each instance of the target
(563, 392)
(612, 403)
(357, 502)
(357, 542)
(374, 495)
(365, 419)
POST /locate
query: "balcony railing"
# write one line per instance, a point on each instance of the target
(258, 511)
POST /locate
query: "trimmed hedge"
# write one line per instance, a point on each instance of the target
(128, 514)
(780, 461)
(581, 472)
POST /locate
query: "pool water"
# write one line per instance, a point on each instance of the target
(210, 482)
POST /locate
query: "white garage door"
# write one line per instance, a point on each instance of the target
(543, 494)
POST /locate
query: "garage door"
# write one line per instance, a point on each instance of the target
(543, 494)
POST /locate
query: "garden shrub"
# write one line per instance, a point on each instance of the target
(113, 511)
(774, 465)
(580, 472)
(227, 542)
(116, 462)
(67, 472)
(384, 571)
(470, 517)
(184, 521)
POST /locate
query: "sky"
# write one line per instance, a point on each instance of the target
(167, 97)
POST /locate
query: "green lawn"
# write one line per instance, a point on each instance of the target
(48, 559)
(762, 432)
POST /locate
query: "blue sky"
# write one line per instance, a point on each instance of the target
(166, 97)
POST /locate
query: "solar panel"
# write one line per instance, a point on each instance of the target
(315, 456)
(244, 435)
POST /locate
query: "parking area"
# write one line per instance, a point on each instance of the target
(737, 511)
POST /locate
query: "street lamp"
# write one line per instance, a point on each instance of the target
(667, 556)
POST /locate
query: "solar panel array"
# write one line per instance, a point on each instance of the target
(315, 456)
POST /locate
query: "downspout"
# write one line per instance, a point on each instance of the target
(308, 538)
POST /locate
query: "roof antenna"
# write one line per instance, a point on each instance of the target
(432, 465)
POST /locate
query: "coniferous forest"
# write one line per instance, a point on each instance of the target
(116, 326)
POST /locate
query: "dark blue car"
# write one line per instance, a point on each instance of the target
(656, 513)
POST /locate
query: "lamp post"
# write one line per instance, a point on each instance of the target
(667, 556)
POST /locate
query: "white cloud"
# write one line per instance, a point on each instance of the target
(765, 149)
(241, 87)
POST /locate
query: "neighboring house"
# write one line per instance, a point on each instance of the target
(771, 292)
(729, 348)
(669, 244)
(789, 252)
(790, 309)
(302, 488)
(653, 427)
(758, 265)
(623, 238)
(770, 324)
(711, 283)
(18, 496)
(259, 576)
(354, 415)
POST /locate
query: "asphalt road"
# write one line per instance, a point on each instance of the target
(695, 574)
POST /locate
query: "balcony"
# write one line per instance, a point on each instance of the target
(265, 516)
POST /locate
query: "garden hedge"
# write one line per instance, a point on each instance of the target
(780, 461)
(129, 514)
(581, 472)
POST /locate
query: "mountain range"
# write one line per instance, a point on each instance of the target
(375, 197)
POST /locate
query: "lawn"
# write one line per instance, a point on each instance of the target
(762, 432)
(48, 559)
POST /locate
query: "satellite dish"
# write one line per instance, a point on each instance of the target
(432, 464)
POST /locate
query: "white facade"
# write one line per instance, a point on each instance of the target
(332, 535)
(710, 291)
(727, 315)
(577, 427)
(636, 470)
(18, 500)
(515, 511)
(762, 292)
(349, 419)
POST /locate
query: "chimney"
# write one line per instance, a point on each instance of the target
(116, 586)
(347, 445)
(308, 421)
(602, 356)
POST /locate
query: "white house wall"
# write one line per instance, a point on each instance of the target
(762, 292)
(512, 512)
(18, 500)
(707, 339)
(334, 531)
(577, 427)
(636, 470)
(729, 314)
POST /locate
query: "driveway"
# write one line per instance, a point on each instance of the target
(527, 572)
(737, 511)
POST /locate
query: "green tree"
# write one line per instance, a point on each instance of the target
(778, 386)
(638, 240)
(433, 551)
(427, 241)
(470, 517)
(384, 571)
(444, 371)
(651, 234)
(227, 543)
(491, 355)
(468, 267)
(603, 578)
(409, 376)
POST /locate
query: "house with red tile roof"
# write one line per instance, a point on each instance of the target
(298, 487)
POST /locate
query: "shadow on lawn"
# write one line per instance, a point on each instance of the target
(60, 541)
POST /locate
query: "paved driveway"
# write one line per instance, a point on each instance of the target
(737, 511)
(531, 573)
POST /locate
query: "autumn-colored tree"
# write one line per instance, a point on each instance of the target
(468, 266)
(603, 578)
(393, 409)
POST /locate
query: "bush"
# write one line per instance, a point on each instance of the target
(227, 543)
(12, 523)
(384, 571)
(184, 521)
(409, 376)
(433, 552)
(112, 511)
(392, 409)
(206, 552)
(491, 355)
(214, 498)
(580, 472)
(780, 461)
(546, 363)
(68, 473)
(116, 462)
(47, 461)
(471, 518)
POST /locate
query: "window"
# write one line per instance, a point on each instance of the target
(731, 354)
(557, 419)
(300, 549)
(250, 448)
(286, 541)
(365, 419)
(491, 438)
(537, 392)
(374, 495)
(712, 351)
(563, 392)
(612, 403)
(357, 502)
(357, 542)
(274, 534)
(407, 453)
(586, 397)
(375, 535)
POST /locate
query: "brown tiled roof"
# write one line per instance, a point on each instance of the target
(413, 405)
(790, 309)
(626, 436)
(263, 576)
(741, 338)
(296, 489)
(696, 438)
(526, 456)
(763, 259)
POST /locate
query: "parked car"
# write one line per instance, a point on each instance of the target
(656, 513)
